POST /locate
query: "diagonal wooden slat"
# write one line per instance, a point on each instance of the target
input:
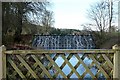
(83, 75)
(63, 65)
(56, 66)
(70, 74)
(50, 65)
(98, 73)
(14, 73)
(16, 68)
(42, 66)
(70, 65)
(42, 74)
(28, 73)
(99, 67)
(68, 58)
(87, 69)
(111, 73)
(27, 66)
(55, 57)
(77, 65)
(91, 65)
(108, 61)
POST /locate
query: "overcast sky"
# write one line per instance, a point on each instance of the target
(71, 13)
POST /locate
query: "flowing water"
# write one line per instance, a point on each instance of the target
(64, 42)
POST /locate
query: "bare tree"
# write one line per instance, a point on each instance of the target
(47, 21)
(102, 14)
(110, 8)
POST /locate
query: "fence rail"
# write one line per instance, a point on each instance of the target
(103, 63)
(95, 51)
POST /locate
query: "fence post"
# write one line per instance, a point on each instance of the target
(116, 70)
(0, 23)
(2, 62)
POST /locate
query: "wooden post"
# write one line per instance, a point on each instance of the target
(0, 23)
(2, 62)
(116, 69)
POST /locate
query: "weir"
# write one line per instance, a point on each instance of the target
(63, 42)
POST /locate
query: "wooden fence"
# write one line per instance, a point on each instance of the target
(29, 64)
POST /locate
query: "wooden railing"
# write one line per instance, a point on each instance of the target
(28, 64)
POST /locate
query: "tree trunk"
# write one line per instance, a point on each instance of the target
(110, 15)
(19, 25)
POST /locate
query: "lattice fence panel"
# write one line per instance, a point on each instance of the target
(56, 65)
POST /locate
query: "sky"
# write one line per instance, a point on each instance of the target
(71, 14)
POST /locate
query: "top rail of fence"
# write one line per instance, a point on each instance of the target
(50, 51)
